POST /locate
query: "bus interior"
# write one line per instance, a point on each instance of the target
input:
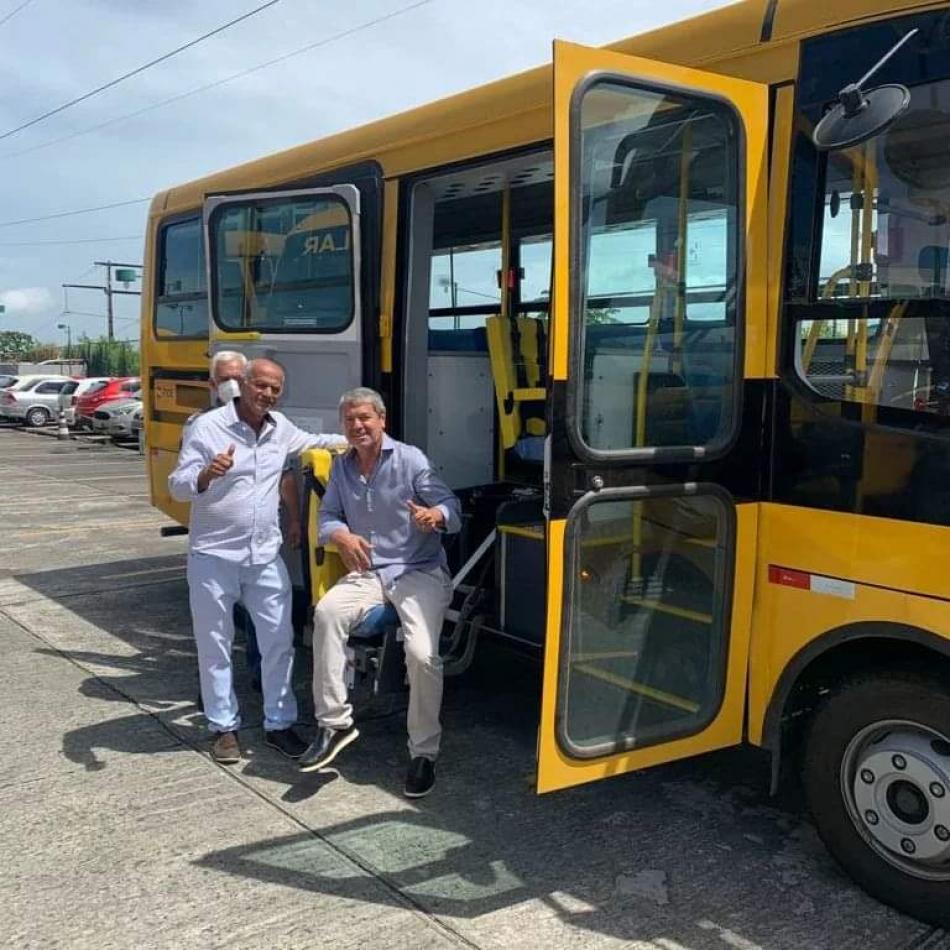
(657, 309)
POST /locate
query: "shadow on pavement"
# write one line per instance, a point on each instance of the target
(143, 604)
(693, 853)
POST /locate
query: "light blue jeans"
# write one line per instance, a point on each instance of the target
(214, 587)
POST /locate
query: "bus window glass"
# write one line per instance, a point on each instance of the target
(181, 307)
(462, 277)
(878, 332)
(645, 653)
(285, 265)
(885, 228)
(657, 295)
(535, 275)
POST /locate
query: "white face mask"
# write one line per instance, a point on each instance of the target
(228, 390)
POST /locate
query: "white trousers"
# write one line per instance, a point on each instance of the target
(214, 587)
(421, 599)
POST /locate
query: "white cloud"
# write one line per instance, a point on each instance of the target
(26, 301)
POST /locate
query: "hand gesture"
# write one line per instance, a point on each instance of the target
(355, 551)
(425, 519)
(220, 465)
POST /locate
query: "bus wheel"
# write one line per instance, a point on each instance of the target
(877, 779)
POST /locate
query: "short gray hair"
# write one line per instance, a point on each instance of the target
(360, 394)
(249, 368)
(227, 356)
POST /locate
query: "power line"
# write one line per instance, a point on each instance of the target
(218, 82)
(140, 69)
(66, 214)
(15, 11)
(121, 237)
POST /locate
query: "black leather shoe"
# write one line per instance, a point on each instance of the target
(326, 747)
(286, 742)
(421, 777)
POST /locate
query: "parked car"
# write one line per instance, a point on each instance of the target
(115, 418)
(138, 428)
(76, 388)
(34, 400)
(102, 392)
(6, 380)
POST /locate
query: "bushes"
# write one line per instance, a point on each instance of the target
(102, 358)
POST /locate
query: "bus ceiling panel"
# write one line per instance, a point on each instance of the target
(478, 218)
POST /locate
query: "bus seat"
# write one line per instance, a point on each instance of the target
(512, 398)
(375, 623)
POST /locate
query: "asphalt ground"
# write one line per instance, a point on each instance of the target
(116, 829)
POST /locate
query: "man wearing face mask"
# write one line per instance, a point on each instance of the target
(230, 469)
(224, 380)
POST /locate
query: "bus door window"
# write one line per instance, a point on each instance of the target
(284, 264)
(659, 297)
(655, 329)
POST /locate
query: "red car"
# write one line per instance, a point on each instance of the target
(103, 392)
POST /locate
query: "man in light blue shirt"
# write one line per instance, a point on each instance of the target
(230, 468)
(385, 509)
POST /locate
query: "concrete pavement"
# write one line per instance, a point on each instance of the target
(116, 829)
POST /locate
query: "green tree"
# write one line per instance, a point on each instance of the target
(42, 351)
(105, 358)
(15, 345)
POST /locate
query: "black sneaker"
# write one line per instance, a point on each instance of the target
(421, 777)
(286, 742)
(325, 748)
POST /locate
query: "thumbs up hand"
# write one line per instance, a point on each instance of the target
(426, 519)
(221, 464)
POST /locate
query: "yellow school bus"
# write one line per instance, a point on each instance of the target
(673, 318)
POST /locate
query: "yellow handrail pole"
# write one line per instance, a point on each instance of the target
(867, 209)
(881, 357)
(640, 427)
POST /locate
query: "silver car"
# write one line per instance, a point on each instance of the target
(115, 418)
(33, 400)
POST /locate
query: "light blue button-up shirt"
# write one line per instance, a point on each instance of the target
(375, 508)
(237, 517)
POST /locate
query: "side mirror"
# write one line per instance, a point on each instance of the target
(859, 115)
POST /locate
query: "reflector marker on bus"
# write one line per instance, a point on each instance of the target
(816, 583)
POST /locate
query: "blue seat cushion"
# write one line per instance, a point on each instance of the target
(375, 623)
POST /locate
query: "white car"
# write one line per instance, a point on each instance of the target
(33, 400)
(73, 390)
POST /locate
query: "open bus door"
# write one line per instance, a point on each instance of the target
(289, 277)
(659, 259)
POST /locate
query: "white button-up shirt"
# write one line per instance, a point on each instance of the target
(237, 517)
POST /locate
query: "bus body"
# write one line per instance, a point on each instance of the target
(689, 375)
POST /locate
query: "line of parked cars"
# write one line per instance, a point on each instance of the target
(105, 404)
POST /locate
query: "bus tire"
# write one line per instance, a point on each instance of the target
(876, 774)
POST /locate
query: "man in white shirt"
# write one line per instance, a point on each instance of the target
(230, 469)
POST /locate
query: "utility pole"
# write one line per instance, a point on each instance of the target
(125, 274)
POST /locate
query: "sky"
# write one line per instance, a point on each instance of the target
(98, 153)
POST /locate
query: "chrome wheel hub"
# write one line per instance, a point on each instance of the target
(895, 778)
